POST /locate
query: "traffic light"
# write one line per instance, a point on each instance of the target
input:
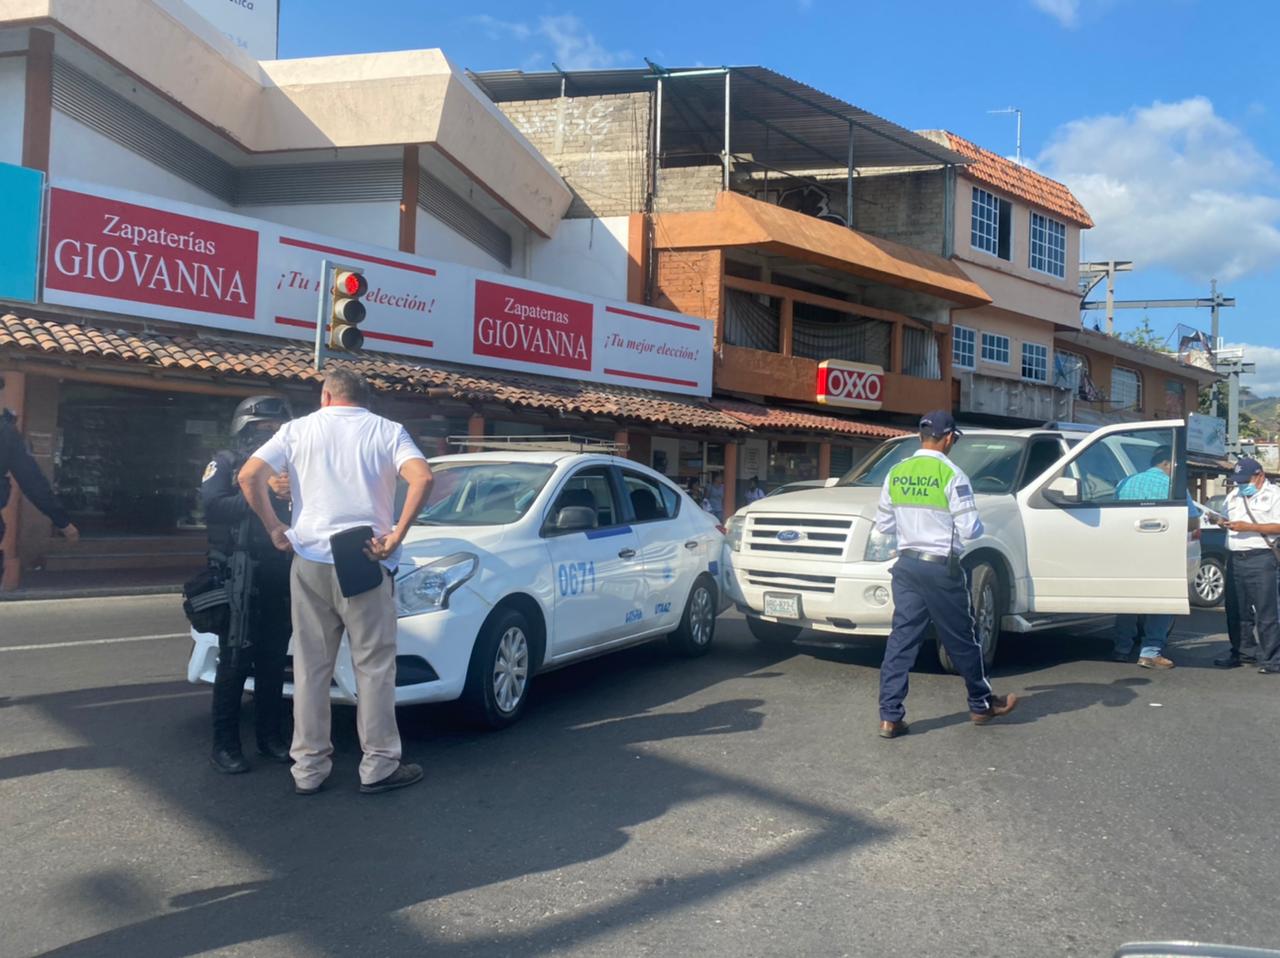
(347, 311)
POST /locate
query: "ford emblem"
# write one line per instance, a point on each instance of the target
(790, 535)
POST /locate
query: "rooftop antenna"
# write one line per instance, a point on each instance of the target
(1017, 112)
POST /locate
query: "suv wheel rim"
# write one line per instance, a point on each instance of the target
(986, 616)
(511, 669)
(1209, 582)
(701, 616)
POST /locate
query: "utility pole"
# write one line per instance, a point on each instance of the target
(1092, 273)
(1018, 113)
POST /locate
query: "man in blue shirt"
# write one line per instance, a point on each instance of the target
(1151, 485)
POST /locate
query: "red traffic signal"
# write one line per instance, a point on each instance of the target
(347, 311)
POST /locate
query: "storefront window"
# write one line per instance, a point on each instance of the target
(129, 461)
(792, 461)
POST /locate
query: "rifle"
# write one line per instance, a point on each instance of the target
(240, 589)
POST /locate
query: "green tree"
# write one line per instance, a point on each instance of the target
(1144, 336)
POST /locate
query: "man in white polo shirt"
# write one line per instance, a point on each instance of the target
(342, 462)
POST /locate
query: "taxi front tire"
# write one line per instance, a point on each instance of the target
(693, 636)
(501, 669)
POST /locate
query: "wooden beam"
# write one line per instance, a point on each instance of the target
(37, 118)
(786, 328)
(409, 180)
(814, 299)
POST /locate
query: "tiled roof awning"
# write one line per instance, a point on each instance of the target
(779, 419)
(291, 363)
(741, 221)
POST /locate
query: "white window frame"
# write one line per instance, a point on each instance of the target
(1044, 362)
(973, 346)
(1137, 402)
(1047, 226)
(1008, 349)
(993, 208)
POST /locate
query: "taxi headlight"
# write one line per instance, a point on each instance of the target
(880, 546)
(733, 532)
(428, 587)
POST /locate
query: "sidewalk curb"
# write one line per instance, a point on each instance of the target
(103, 592)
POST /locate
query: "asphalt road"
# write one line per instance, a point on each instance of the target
(737, 805)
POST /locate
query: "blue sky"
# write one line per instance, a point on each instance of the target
(1162, 115)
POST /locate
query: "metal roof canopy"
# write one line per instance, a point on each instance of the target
(781, 123)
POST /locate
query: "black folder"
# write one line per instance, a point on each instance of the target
(357, 573)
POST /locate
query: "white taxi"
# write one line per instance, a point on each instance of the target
(525, 560)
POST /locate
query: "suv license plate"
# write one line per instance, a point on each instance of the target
(783, 605)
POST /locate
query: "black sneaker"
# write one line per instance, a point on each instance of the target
(1233, 661)
(402, 777)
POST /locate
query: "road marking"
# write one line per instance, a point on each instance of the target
(80, 642)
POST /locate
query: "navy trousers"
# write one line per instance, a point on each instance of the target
(924, 593)
(1252, 580)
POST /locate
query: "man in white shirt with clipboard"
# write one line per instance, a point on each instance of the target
(1253, 569)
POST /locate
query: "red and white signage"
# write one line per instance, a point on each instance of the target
(121, 252)
(858, 385)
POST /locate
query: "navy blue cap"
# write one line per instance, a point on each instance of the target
(939, 423)
(1246, 468)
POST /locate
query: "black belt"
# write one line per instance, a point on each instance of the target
(924, 556)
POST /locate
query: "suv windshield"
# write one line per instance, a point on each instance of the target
(991, 462)
(482, 493)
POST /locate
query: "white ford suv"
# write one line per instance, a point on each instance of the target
(522, 561)
(1058, 548)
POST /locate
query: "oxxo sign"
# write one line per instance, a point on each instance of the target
(858, 385)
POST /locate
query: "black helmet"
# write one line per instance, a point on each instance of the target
(259, 409)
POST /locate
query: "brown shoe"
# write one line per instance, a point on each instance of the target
(997, 706)
(1155, 662)
(894, 729)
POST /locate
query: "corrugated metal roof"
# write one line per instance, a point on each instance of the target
(780, 122)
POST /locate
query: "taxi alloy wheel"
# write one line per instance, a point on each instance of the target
(698, 624)
(1210, 585)
(500, 671)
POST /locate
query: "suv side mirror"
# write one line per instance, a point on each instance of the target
(1063, 490)
(574, 519)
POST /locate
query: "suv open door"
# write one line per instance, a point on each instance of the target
(1093, 547)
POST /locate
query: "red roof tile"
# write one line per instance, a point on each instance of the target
(769, 417)
(1012, 178)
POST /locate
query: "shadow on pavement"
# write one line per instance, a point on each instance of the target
(1041, 701)
(564, 786)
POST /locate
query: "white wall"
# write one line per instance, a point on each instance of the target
(82, 154)
(13, 86)
(437, 241)
(376, 223)
(585, 255)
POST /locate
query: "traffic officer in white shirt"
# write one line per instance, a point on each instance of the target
(928, 503)
(1253, 572)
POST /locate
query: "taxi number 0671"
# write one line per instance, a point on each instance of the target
(575, 578)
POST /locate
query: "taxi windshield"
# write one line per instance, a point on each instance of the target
(991, 462)
(482, 493)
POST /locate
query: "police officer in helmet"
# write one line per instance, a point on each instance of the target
(928, 503)
(230, 522)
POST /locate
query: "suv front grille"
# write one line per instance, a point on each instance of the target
(817, 584)
(811, 536)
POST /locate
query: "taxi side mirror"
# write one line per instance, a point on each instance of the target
(1063, 490)
(574, 519)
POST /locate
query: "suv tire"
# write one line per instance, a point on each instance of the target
(985, 602)
(697, 628)
(773, 634)
(500, 671)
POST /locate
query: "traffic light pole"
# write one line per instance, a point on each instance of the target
(322, 317)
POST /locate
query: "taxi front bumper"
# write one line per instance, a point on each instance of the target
(840, 598)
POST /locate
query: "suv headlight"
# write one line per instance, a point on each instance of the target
(733, 532)
(880, 546)
(428, 587)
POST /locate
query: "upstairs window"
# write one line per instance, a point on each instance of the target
(1048, 246)
(963, 347)
(991, 227)
(1035, 362)
(995, 349)
(1126, 388)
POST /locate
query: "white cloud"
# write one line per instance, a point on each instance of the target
(573, 46)
(1266, 382)
(1172, 184)
(1066, 12)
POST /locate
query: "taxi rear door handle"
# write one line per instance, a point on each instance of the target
(627, 554)
(1151, 525)
(691, 544)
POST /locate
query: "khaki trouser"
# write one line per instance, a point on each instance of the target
(320, 613)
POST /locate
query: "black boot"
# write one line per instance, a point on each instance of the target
(229, 761)
(228, 687)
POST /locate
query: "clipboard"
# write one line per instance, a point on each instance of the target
(357, 573)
